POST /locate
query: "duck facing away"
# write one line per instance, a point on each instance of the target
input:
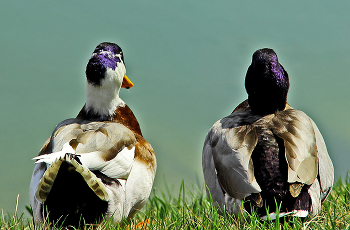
(97, 165)
(265, 152)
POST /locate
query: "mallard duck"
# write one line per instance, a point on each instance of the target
(98, 165)
(265, 153)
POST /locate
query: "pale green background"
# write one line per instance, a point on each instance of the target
(188, 61)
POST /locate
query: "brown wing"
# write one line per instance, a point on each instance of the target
(106, 137)
(298, 134)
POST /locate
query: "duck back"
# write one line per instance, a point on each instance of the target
(271, 173)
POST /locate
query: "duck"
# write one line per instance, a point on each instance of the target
(96, 166)
(266, 156)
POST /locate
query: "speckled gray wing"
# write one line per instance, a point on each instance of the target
(231, 150)
(322, 186)
(213, 186)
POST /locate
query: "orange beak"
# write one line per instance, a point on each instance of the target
(127, 83)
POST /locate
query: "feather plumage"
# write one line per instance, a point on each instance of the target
(97, 164)
(266, 150)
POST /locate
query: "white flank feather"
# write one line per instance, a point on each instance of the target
(118, 168)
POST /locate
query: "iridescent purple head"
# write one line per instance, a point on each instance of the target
(266, 82)
(106, 55)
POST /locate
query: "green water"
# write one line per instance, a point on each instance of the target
(187, 60)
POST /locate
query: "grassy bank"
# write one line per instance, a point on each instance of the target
(191, 210)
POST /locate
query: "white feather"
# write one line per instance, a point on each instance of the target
(52, 157)
(138, 187)
(118, 168)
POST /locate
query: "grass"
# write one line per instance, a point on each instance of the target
(192, 210)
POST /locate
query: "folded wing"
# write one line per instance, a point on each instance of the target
(104, 146)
